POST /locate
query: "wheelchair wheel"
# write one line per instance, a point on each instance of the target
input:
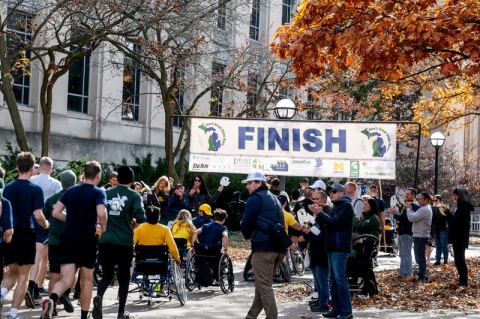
(285, 270)
(394, 249)
(298, 264)
(178, 282)
(450, 250)
(190, 274)
(247, 270)
(225, 274)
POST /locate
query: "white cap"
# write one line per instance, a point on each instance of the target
(318, 184)
(255, 176)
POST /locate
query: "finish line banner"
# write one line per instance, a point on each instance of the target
(296, 148)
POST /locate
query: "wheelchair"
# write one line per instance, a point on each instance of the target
(155, 268)
(220, 265)
(390, 245)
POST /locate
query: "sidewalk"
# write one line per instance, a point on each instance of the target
(211, 303)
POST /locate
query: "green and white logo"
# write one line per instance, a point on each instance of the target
(213, 138)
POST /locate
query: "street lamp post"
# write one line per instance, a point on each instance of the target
(284, 110)
(437, 139)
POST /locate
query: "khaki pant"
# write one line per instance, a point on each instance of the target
(264, 264)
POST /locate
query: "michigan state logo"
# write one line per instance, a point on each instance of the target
(376, 141)
(213, 138)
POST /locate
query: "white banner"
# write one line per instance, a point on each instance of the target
(296, 148)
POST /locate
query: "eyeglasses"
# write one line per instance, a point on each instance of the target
(196, 180)
(316, 199)
(334, 191)
(436, 200)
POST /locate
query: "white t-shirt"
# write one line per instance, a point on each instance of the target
(48, 184)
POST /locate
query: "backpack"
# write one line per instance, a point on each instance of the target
(204, 274)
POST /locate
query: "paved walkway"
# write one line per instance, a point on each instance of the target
(211, 303)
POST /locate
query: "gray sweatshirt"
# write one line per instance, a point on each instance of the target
(422, 221)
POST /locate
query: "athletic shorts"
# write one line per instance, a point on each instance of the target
(79, 249)
(111, 254)
(54, 258)
(21, 250)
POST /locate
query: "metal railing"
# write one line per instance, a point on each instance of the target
(475, 224)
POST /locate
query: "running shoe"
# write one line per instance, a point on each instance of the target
(97, 308)
(47, 309)
(67, 304)
(29, 302)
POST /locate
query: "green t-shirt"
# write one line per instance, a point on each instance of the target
(56, 225)
(123, 205)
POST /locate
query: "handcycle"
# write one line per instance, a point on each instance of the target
(155, 268)
(219, 263)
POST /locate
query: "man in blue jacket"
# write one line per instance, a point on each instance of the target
(262, 211)
(338, 231)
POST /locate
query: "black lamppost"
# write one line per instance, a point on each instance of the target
(437, 139)
(285, 110)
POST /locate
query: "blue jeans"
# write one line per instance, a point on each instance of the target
(337, 264)
(405, 254)
(419, 251)
(441, 245)
(320, 277)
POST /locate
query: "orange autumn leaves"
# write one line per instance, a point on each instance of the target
(407, 45)
(390, 40)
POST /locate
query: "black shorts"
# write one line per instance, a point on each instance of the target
(21, 250)
(54, 258)
(79, 249)
(111, 254)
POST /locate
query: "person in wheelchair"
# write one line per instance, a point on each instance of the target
(389, 231)
(212, 234)
(152, 233)
(182, 230)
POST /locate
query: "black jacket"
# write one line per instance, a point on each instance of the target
(459, 221)
(439, 221)
(338, 226)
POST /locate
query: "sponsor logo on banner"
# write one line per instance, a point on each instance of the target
(200, 166)
(318, 162)
(201, 158)
(211, 136)
(339, 167)
(279, 166)
(241, 163)
(258, 164)
(376, 141)
(354, 169)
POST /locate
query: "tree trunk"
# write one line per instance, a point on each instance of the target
(20, 133)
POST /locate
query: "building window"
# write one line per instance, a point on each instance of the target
(221, 14)
(131, 87)
(78, 81)
(286, 11)
(20, 31)
(179, 95)
(252, 94)
(216, 99)
(255, 20)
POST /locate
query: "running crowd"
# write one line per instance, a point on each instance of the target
(63, 224)
(38, 231)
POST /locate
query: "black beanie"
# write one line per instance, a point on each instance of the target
(125, 175)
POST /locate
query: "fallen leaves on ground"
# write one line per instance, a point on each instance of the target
(440, 292)
(238, 254)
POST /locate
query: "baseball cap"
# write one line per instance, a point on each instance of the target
(338, 187)
(282, 198)
(318, 184)
(255, 176)
(206, 209)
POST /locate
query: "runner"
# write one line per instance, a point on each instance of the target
(116, 243)
(27, 200)
(84, 204)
